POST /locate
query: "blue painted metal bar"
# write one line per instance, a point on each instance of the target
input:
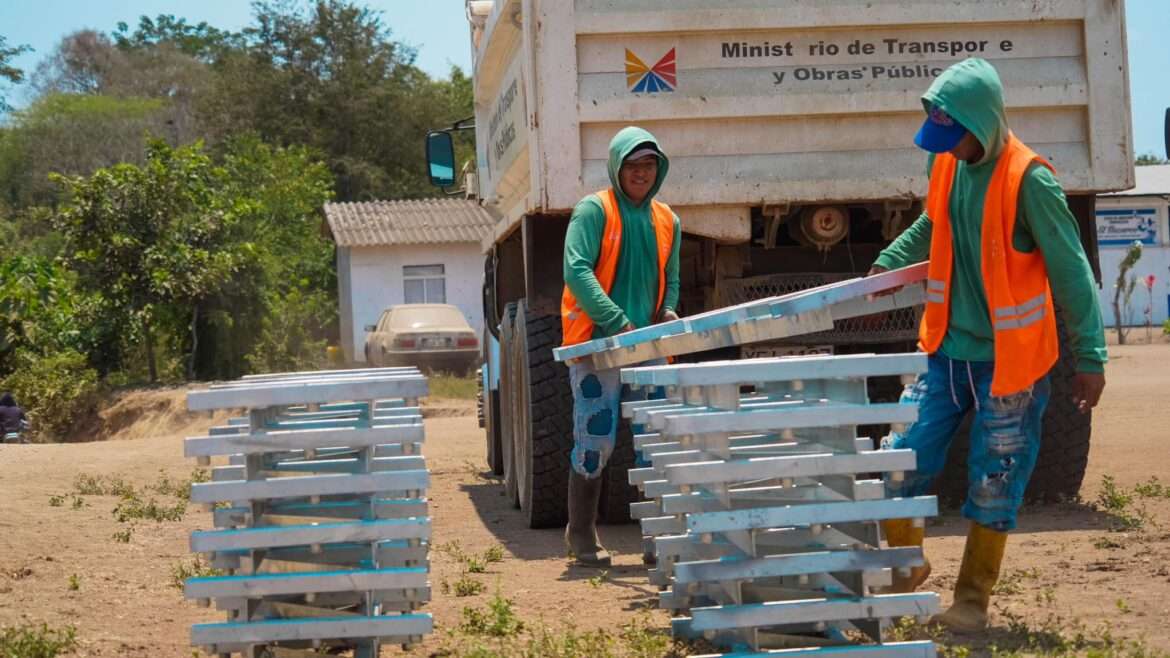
(302, 440)
(706, 472)
(777, 613)
(275, 584)
(389, 553)
(287, 630)
(754, 371)
(310, 485)
(786, 416)
(796, 564)
(917, 649)
(310, 391)
(817, 514)
(308, 535)
(359, 509)
(775, 308)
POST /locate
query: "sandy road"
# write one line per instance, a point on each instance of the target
(1063, 563)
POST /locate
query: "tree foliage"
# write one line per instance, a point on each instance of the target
(38, 309)
(164, 188)
(9, 72)
(73, 135)
(151, 237)
(331, 77)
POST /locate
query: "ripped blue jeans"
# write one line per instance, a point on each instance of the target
(1005, 437)
(597, 402)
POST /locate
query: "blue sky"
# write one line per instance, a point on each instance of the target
(438, 30)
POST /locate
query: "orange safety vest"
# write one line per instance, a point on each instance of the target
(575, 323)
(1016, 283)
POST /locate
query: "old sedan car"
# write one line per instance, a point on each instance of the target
(429, 336)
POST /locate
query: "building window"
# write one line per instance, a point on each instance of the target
(424, 284)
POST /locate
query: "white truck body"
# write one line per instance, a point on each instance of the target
(777, 102)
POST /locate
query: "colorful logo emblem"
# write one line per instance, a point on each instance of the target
(645, 79)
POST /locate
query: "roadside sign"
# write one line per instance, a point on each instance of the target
(1124, 226)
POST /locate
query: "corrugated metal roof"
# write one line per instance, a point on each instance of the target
(416, 221)
(1151, 180)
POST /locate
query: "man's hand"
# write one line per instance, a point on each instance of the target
(667, 315)
(878, 269)
(1087, 387)
(629, 327)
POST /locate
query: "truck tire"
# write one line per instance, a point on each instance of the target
(616, 491)
(507, 396)
(544, 407)
(490, 414)
(1064, 447)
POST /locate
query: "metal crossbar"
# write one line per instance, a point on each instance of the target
(773, 318)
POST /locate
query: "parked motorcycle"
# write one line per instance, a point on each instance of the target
(18, 435)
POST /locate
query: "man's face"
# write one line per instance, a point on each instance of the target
(968, 149)
(638, 176)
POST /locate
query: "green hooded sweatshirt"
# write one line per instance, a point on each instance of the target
(972, 94)
(634, 295)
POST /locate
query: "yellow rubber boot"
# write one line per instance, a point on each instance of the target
(901, 532)
(978, 575)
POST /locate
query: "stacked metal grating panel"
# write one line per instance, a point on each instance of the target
(320, 514)
(764, 503)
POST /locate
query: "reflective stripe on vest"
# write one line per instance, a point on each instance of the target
(1016, 283)
(576, 325)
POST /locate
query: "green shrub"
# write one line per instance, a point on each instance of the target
(133, 508)
(467, 586)
(292, 335)
(102, 485)
(497, 619)
(57, 391)
(445, 385)
(33, 641)
(196, 568)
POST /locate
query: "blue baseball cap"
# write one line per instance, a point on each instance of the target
(940, 132)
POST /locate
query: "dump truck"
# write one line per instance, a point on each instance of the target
(789, 127)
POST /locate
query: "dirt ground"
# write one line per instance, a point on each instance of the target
(1065, 568)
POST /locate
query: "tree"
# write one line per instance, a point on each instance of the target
(202, 41)
(332, 78)
(283, 307)
(89, 63)
(1123, 288)
(38, 309)
(1146, 159)
(188, 247)
(74, 135)
(7, 70)
(150, 238)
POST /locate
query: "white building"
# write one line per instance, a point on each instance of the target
(406, 252)
(1140, 214)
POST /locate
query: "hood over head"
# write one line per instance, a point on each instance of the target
(972, 94)
(625, 142)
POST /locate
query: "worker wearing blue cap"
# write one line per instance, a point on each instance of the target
(1004, 251)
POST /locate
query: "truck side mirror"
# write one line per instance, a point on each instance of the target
(370, 327)
(441, 158)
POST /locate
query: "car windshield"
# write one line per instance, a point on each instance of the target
(424, 317)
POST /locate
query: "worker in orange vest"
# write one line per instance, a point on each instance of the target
(1003, 246)
(621, 273)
